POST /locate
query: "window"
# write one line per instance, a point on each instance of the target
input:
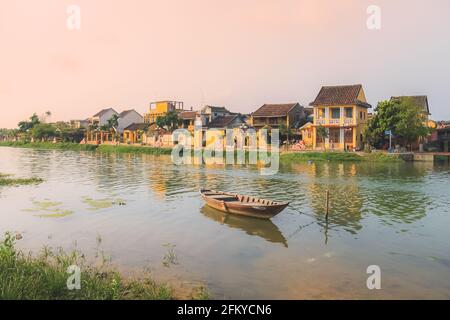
(335, 113)
(335, 135)
(321, 113)
(349, 112)
(360, 114)
(348, 135)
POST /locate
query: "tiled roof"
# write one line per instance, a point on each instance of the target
(223, 121)
(188, 115)
(102, 112)
(274, 110)
(421, 101)
(137, 126)
(339, 96)
(124, 113)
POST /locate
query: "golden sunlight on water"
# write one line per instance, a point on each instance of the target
(392, 215)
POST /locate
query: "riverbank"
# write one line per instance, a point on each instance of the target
(46, 277)
(285, 156)
(86, 147)
(338, 157)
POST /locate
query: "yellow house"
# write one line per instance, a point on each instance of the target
(160, 109)
(343, 112)
(134, 133)
(275, 115)
(307, 134)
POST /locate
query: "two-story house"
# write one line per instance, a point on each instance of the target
(127, 118)
(101, 118)
(292, 115)
(160, 109)
(343, 111)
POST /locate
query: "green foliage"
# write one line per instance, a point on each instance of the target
(24, 126)
(285, 131)
(113, 122)
(49, 145)
(170, 121)
(130, 149)
(44, 277)
(6, 180)
(337, 156)
(43, 131)
(322, 132)
(403, 117)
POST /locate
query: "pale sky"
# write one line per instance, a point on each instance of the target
(236, 53)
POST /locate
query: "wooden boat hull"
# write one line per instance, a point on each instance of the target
(242, 205)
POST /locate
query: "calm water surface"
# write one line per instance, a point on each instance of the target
(396, 216)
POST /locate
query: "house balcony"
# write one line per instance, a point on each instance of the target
(343, 122)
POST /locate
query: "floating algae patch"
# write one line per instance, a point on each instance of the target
(7, 180)
(57, 213)
(98, 204)
(48, 209)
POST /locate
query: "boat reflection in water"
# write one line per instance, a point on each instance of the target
(265, 229)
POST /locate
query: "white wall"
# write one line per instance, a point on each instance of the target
(103, 120)
(129, 118)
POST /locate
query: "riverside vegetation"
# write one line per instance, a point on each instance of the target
(290, 156)
(44, 277)
(7, 180)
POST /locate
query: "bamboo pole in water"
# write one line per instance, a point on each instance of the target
(327, 204)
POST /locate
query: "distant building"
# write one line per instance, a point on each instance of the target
(443, 135)
(79, 124)
(127, 118)
(343, 111)
(291, 115)
(101, 118)
(208, 113)
(134, 133)
(161, 108)
(188, 119)
(420, 101)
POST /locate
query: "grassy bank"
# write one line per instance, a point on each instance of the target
(131, 149)
(49, 145)
(45, 277)
(87, 147)
(7, 180)
(292, 156)
(338, 157)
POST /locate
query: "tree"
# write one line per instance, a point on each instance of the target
(43, 131)
(285, 131)
(113, 122)
(170, 121)
(24, 126)
(403, 118)
(322, 133)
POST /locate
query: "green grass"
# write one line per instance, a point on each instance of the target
(49, 145)
(87, 147)
(338, 157)
(6, 180)
(45, 276)
(131, 149)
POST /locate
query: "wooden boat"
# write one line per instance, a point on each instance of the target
(242, 205)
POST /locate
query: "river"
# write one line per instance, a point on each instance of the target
(149, 215)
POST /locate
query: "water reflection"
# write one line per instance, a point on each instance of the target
(403, 208)
(265, 229)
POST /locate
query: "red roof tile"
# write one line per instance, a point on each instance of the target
(274, 110)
